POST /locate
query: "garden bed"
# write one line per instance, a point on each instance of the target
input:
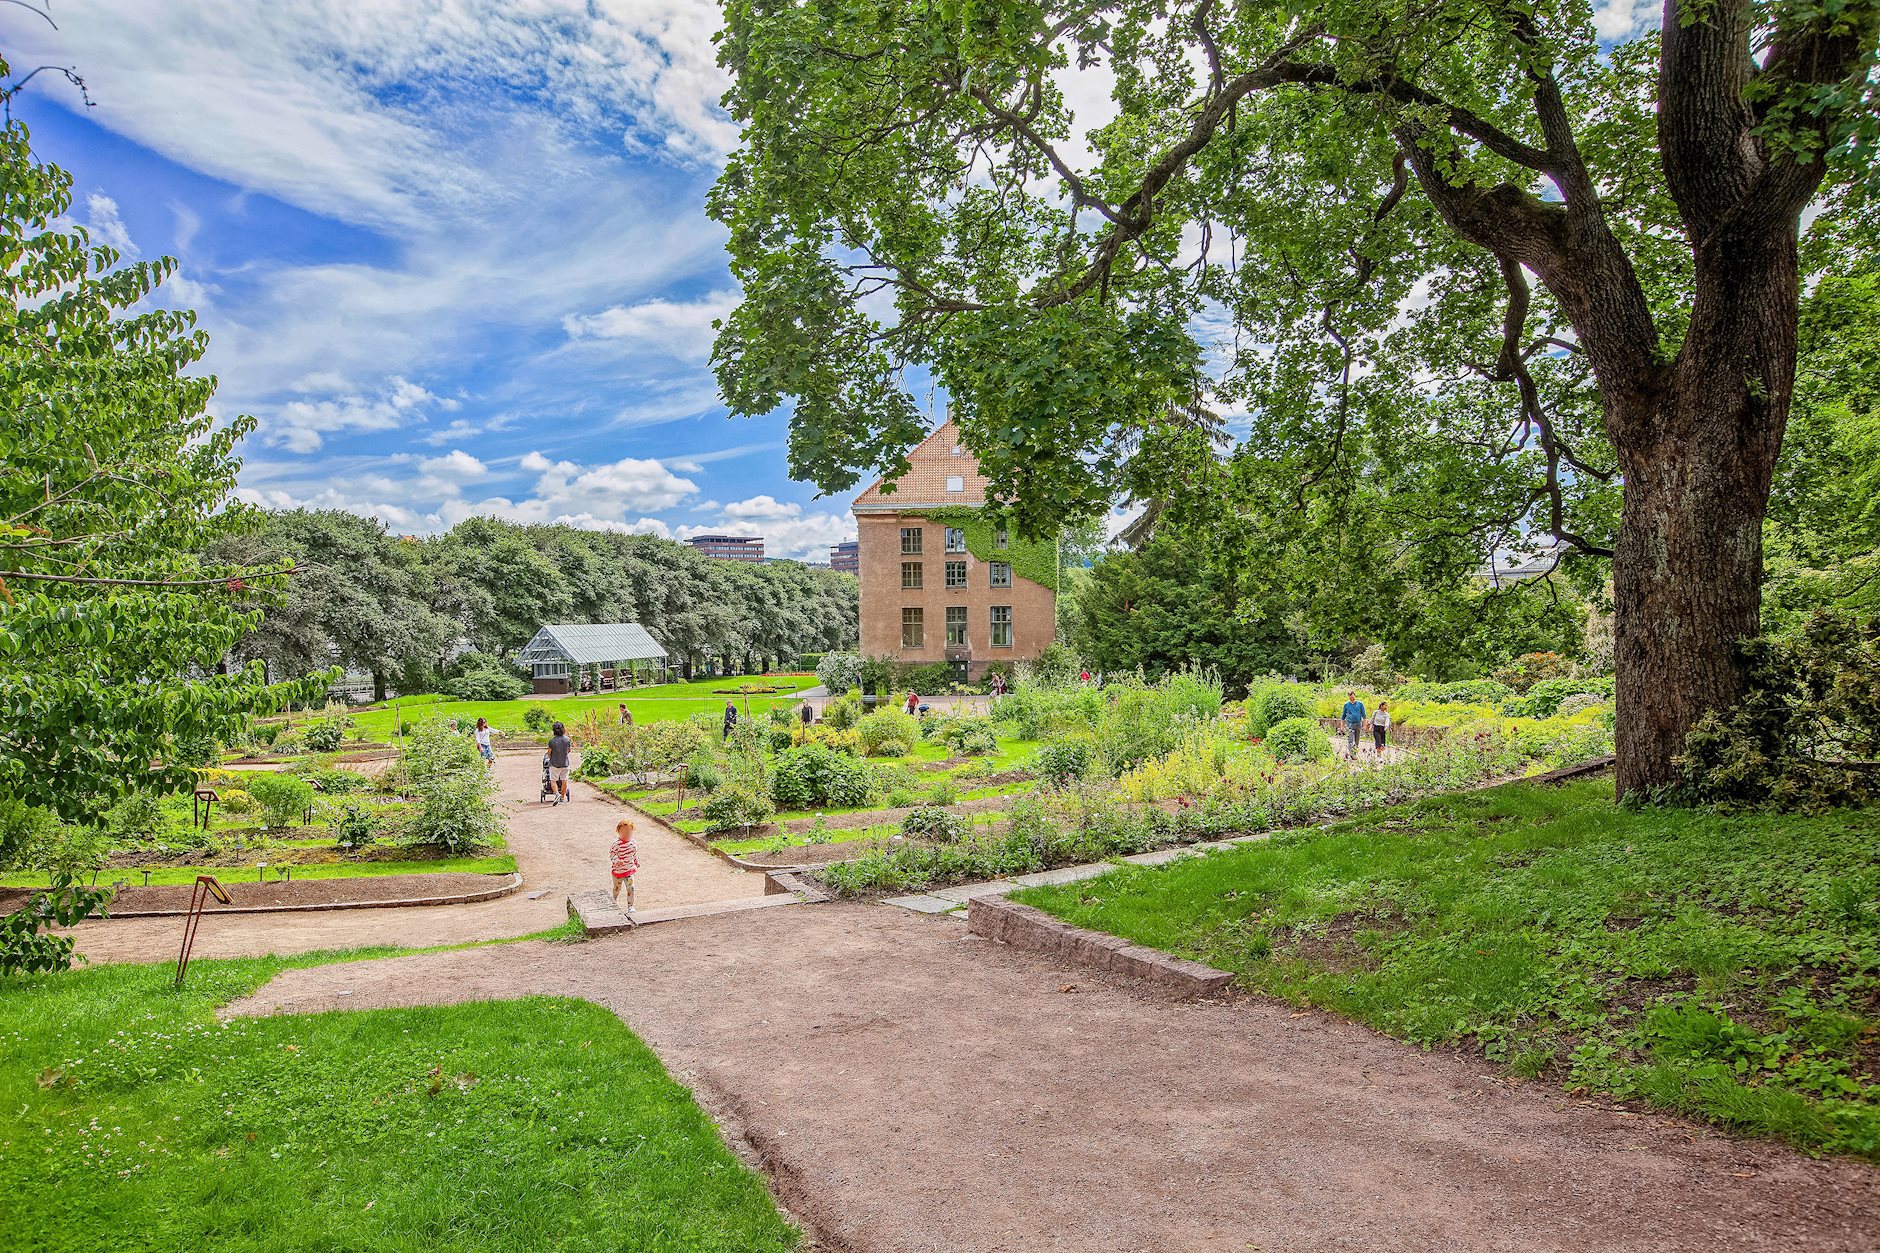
(368, 891)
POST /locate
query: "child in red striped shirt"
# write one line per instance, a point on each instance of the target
(626, 861)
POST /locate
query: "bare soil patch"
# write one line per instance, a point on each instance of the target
(910, 1087)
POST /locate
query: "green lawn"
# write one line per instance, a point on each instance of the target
(668, 702)
(129, 1118)
(496, 863)
(1722, 967)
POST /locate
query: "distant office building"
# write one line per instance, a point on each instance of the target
(730, 547)
(846, 557)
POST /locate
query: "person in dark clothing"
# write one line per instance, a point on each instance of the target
(559, 747)
(809, 713)
(731, 718)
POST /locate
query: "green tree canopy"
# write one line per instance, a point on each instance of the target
(1470, 244)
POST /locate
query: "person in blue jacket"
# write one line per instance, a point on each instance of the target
(1353, 715)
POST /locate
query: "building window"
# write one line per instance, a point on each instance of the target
(911, 575)
(956, 626)
(956, 539)
(1001, 538)
(1001, 573)
(1001, 626)
(958, 451)
(956, 574)
(956, 483)
(910, 539)
(913, 629)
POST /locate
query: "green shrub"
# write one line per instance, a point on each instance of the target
(1803, 736)
(842, 713)
(1525, 671)
(195, 750)
(284, 798)
(267, 731)
(964, 736)
(702, 774)
(235, 800)
(735, 806)
(887, 727)
(482, 677)
(455, 811)
(536, 718)
(355, 824)
(927, 676)
(1298, 739)
(1138, 725)
(809, 662)
(1463, 692)
(136, 819)
(323, 737)
(1543, 698)
(331, 781)
(597, 762)
(814, 775)
(1274, 704)
(1062, 761)
(931, 822)
(1054, 667)
(877, 675)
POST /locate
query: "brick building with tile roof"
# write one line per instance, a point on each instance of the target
(930, 595)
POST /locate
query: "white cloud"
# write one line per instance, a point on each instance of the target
(1615, 20)
(456, 466)
(680, 328)
(107, 227)
(302, 425)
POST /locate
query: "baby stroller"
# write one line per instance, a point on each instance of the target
(548, 788)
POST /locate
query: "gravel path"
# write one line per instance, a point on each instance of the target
(559, 849)
(910, 1087)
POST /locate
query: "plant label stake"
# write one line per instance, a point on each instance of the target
(206, 885)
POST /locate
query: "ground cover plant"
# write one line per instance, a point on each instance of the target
(531, 1124)
(1722, 966)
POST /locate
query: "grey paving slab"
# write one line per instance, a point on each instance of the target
(1159, 857)
(964, 892)
(1068, 874)
(923, 904)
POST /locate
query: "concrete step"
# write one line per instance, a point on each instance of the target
(598, 913)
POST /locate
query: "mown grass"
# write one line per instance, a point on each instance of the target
(667, 702)
(496, 863)
(130, 1118)
(1725, 967)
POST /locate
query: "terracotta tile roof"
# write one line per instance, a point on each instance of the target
(930, 463)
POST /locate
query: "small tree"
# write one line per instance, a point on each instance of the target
(112, 478)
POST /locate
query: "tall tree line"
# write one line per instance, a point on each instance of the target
(399, 607)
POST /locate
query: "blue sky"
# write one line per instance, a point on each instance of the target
(452, 254)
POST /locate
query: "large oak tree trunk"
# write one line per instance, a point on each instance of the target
(1698, 459)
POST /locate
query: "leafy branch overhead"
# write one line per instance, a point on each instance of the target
(1462, 258)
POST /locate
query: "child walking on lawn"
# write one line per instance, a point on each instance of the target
(626, 860)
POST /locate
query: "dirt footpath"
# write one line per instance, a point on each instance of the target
(909, 1087)
(558, 848)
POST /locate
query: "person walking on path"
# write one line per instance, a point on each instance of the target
(1353, 716)
(1380, 727)
(808, 713)
(731, 718)
(997, 686)
(482, 734)
(559, 746)
(913, 705)
(626, 717)
(625, 860)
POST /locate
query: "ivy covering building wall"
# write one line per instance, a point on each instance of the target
(1036, 560)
